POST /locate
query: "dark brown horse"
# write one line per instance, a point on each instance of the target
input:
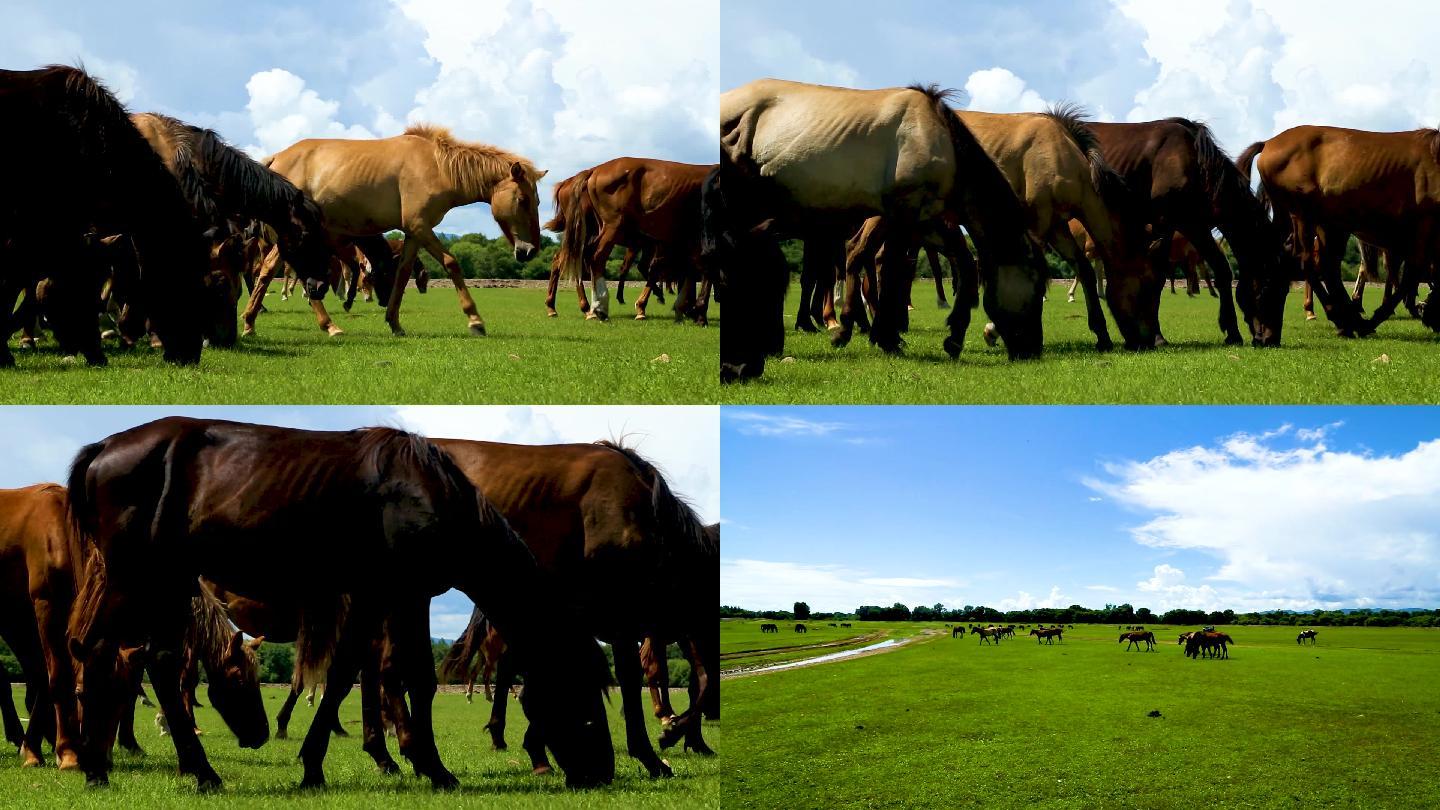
(379, 516)
(631, 554)
(1329, 183)
(1137, 637)
(76, 163)
(1188, 185)
(1047, 634)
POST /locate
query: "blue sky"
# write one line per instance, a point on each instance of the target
(1205, 507)
(38, 443)
(1251, 68)
(559, 81)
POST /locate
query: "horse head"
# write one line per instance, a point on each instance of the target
(515, 204)
(235, 691)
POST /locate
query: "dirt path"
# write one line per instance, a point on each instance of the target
(925, 635)
(819, 645)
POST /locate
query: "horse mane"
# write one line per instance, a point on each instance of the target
(210, 632)
(674, 515)
(979, 169)
(1074, 119)
(1430, 137)
(474, 167)
(1222, 177)
(222, 182)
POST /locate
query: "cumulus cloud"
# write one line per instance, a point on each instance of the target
(1293, 523)
(1024, 601)
(283, 110)
(776, 585)
(787, 58)
(998, 90)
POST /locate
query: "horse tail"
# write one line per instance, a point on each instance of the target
(315, 642)
(557, 221)
(1243, 163)
(575, 241)
(456, 664)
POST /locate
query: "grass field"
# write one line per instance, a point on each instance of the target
(1313, 365)
(526, 358)
(1353, 721)
(743, 646)
(269, 776)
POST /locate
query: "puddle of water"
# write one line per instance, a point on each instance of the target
(889, 642)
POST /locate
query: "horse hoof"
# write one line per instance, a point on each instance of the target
(396, 331)
(69, 762)
(839, 338)
(348, 305)
(443, 780)
(1234, 340)
(280, 734)
(552, 314)
(249, 332)
(29, 343)
(477, 329)
(499, 746)
(661, 770)
(388, 766)
(952, 348)
(942, 304)
(315, 783)
(334, 331)
(541, 770)
(640, 316)
(101, 781)
(700, 748)
(208, 784)
(1309, 316)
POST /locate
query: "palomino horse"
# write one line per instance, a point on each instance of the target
(1137, 637)
(1307, 635)
(377, 515)
(223, 185)
(597, 516)
(78, 163)
(42, 558)
(1328, 183)
(987, 634)
(408, 183)
(637, 203)
(818, 160)
(1186, 183)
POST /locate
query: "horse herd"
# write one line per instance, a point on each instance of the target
(1205, 643)
(866, 177)
(158, 223)
(169, 536)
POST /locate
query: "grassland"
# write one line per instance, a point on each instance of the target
(526, 358)
(268, 777)
(743, 646)
(1313, 366)
(1350, 722)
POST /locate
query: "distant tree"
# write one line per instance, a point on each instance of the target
(802, 610)
(277, 662)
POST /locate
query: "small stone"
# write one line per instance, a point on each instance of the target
(1384, 358)
(1233, 356)
(664, 358)
(514, 357)
(383, 363)
(787, 359)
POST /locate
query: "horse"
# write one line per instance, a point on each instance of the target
(408, 183)
(1136, 637)
(1328, 183)
(986, 634)
(635, 202)
(376, 515)
(845, 624)
(800, 628)
(1208, 643)
(769, 628)
(1048, 635)
(1187, 184)
(812, 159)
(957, 632)
(223, 184)
(597, 517)
(85, 167)
(1310, 635)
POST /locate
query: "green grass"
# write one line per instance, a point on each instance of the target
(1353, 722)
(743, 645)
(526, 358)
(269, 776)
(1313, 365)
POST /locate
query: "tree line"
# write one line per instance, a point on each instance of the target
(1110, 614)
(481, 256)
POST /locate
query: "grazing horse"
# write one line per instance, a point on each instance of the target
(376, 515)
(800, 628)
(632, 554)
(1188, 185)
(1311, 635)
(638, 203)
(77, 164)
(1328, 183)
(957, 632)
(408, 183)
(224, 185)
(1048, 635)
(769, 628)
(816, 161)
(1136, 637)
(987, 634)
(1208, 643)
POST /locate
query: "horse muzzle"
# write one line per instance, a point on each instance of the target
(524, 251)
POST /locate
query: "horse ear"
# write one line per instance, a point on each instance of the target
(517, 172)
(237, 642)
(133, 657)
(542, 173)
(256, 642)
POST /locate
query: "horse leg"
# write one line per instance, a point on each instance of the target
(1211, 254)
(257, 295)
(809, 278)
(373, 728)
(282, 720)
(165, 671)
(604, 243)
(409, 630)
(427, 240)
(550, 289)
(938, 274)
(645, 266)
(125, 734)
(896, 273)
(657, 677)
(533, 743)
(859, 250)
(398, 285)
(504, 679)
(1369, 271)
(345, 663)
(624, 271)
(628, 673)
(14, 732)
(1330, 247)
(967, 294)
(1069, 250)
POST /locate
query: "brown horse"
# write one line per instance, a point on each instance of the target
(1137, 637)
(637, 203)
(816, 161)
(1048, 634)
(408, 183)
(78, 164)
(1187, 184)
(1208, 643)
(1328, 183)
(597, 517)
(987, 634)
(225, 185)
(379, 516)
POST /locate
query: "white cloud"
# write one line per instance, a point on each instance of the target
(1294, 527)
(998, 90)
(776, 423)
(283, 110)
(772, 585)
(784, 56)
(1024, 601)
